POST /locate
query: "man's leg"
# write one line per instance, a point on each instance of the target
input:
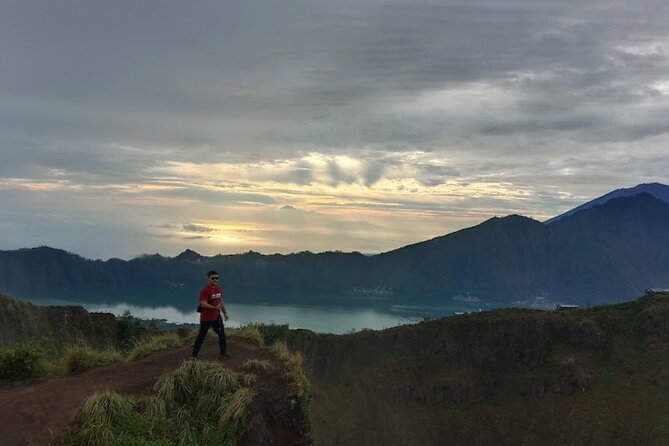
(220, 331)
(204, 328)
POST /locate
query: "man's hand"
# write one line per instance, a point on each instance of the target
(225, 315)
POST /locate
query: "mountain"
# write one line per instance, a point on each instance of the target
(659, 191)
(605, 253)
(600, 254)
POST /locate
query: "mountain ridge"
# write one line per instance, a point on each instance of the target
(658, 190)
(600, 254)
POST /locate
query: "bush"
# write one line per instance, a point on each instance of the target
(128, 330)
(24, 360)
(272, 333)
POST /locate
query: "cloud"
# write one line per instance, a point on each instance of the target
(225, 111)
(198, 228)
(165, 226)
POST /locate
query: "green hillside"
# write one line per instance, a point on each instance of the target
(54, 326)
(506, 377)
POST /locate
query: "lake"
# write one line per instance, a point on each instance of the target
(329, 319)
(334, 314)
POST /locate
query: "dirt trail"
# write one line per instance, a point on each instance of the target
(34, 413)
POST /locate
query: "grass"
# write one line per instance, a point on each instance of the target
(298, 384)
(251, 333)
(200, 403)
(156, 343)
(435, 383)
(80, 358)
(256, 365)
(29, 360)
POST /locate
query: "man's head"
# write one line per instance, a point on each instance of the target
(213, 277)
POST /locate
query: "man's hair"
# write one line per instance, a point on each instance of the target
(211, 273)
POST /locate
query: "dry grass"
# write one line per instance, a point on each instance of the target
(251, 333)
(153, 344)
(256, 365)
(199, 403)
(298, 384)
(81, 357)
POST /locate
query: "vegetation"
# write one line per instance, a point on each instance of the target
(273, 332)
(507, 377)
(251, 333)
(256, 365)
(80, 358)
(199, 403)
(24, 360)
(152, 344)
(298, 384)
(29, 360)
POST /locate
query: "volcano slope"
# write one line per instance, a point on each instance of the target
(508, 377)
(38, 413)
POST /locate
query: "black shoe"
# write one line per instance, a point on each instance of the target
(226, 356)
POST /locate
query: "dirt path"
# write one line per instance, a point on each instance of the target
(34, 413)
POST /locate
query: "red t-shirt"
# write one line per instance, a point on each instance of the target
(213, 295)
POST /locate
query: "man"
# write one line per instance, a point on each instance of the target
(211, 304)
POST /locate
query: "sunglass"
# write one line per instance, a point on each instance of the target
(214, 278)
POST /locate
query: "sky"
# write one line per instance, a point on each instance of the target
(130, 127)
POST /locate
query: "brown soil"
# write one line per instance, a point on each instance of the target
(36, 413)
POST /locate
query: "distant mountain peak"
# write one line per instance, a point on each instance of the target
(512, 221)
(189, 255)
(657, 190)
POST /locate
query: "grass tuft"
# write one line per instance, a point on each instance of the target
(80, 358)
(251, 333)
(298, 383)
(106, 407)
(235, 409)
(199, 403)
(156, 343)
(256, 365)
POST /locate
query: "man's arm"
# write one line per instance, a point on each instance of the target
(207, 305)
(225, 313)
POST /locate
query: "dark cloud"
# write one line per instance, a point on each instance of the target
(238, 75)
(165, 226)
(337, 174)
(372, 172)
(557, 101)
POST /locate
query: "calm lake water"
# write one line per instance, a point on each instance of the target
(336, 320)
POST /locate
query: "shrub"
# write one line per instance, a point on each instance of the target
(128, 330)
(272, 333)
(25, 360)
(80, 358)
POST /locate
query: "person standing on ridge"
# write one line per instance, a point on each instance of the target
(211, 306)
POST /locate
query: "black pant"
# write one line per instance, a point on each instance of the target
(204, 328)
